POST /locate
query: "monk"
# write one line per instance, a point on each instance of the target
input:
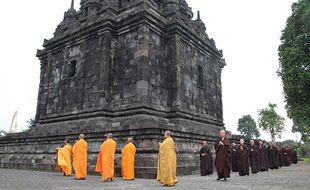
(167, 162)
(243, 159)
(286, 157)
(294, 156)
(234, 163)
(272, 156)
(254, 157)
(64, 158)
(280, 157)
(206, 166)
(128, 160)
(263, 157)
(80, 158)
(105, 162)
(223, 157)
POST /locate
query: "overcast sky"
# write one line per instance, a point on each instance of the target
(248, 32)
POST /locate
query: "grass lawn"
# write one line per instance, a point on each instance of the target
(306, 159)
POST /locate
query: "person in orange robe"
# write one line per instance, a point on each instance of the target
(64, 158)
(105, 162)
(167, 162)
(80, 158)
(128, 160)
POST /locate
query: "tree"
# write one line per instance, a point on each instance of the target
(271, 122)
(31, 123)
(247, 127)
(291, 143)
(294, 56)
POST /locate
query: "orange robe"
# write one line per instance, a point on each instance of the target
(128, 161)
(64, 159)
(105, 162)
(80, 159)
(167, 163)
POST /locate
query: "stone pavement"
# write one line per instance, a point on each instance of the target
(293, 177)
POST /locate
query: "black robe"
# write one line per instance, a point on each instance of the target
(280, 158)
(234, 162)
(223, 158)
(254, 158)
(272, 157)
(243, 160)
(286, 157)
(263, 159)
(294, 156)
(206, 166)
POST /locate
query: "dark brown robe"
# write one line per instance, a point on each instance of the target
(206, 166)
(234, 161)
(254, 158)
(263, 159)
(286, 157)
(272, 157)
(280, 157)
(243, 160)
(223, 158)
(294, 156)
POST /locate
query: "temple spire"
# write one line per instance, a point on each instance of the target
(198, 15)
(72, 5)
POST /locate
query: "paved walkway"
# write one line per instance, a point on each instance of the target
(293, 177)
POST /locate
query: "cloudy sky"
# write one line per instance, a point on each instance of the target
(248, 32)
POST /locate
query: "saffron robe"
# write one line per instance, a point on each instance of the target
(79, 153)
(128, 161)
(105, 161)
(167, 163)
(64, 159)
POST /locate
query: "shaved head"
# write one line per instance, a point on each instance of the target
(67, 141)
(130, 140)
(109, 135)
(167, 134)
(222, 133)
(81, 136)
(241, 141)
(204, 143)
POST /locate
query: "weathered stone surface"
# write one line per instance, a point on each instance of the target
(134, 68)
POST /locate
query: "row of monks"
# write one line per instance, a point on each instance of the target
(166, 172)
(243, 157)
(228, 158)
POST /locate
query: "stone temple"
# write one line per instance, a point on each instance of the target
(131, 67)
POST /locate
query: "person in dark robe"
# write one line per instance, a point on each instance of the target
(294, 156)
(254, 157)
(223, 156)
(243, 159)
(206, 166)
(272, 156)
(234, 163)
(286, 157)
(280, 157)
(263, 157)
(290, 153)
